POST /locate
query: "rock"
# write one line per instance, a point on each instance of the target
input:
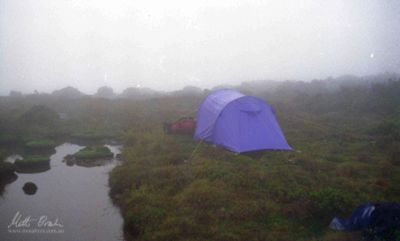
(69, 157)
(69, 160)
(29, 188)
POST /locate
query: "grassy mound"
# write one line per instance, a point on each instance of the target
(93, 152)
(90, 156)
(7, 175)
(33, 164)
(40, 144)
(33, 160)
(6, 169)
(94, 135)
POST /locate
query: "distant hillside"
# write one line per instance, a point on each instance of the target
(68, 92)
(260, 87)
(188, 91)
(105, 92)
(270, 89)
(139, 93)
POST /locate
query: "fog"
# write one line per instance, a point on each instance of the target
(166, 45)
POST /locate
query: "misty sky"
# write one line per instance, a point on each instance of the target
(168, 44)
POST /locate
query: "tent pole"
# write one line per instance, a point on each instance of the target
(195, 149)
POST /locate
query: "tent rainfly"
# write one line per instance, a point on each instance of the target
(239, 123)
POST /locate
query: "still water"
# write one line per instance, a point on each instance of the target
(71, 203)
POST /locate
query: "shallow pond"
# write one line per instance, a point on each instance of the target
(70, 203)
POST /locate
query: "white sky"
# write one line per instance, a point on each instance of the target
(166, 45)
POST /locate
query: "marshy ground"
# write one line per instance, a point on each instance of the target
(169, 187)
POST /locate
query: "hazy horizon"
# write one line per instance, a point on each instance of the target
(50, 44)
(379, 77)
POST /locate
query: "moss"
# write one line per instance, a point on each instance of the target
(33, 164)
(33, 160)
(93, 152)
(90, 156)
(93, 135)
(40, 144)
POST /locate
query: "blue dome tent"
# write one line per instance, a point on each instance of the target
(239, 123)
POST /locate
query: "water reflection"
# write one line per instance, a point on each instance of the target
(32, 168)
(76, 196)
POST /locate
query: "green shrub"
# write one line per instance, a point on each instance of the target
(329, 202)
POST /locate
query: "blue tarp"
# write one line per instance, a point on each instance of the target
(238, 122)
(359, 219)
(378, 221)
